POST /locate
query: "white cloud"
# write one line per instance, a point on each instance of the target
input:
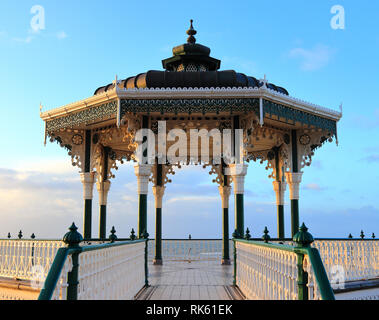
(313, 186)
(314, 58)
(193, 198)
(61, 35)
(28, 39)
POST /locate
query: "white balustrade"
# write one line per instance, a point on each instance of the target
(349, 260)
(113, 273)
(265, 273)
(21, 259)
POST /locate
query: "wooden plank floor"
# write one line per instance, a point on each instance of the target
(178, 280)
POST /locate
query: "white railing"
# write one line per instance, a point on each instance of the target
(185, 250)
(111, 271)
(265, 273)
(27, 259)
(114, 273)
(349, 260)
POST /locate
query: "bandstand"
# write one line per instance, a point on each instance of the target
(190, 113)
(191, 96)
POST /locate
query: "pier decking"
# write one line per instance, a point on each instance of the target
(196, 280)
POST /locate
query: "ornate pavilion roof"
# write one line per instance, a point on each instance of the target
(191, 84)
(191, 67)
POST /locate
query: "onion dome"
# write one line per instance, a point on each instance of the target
(191, 56)
(191, 66)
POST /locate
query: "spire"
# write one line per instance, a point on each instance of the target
(191, 32)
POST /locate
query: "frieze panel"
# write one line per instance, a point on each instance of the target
(294, 115)
(176, 106)
(103, 111)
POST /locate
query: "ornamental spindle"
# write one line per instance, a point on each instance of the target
(73, 237)
(9, 235)
(33, 236)
(132, 235)
(373, 235)
(265, 236)
(350, 236)
(144, 234)
(236, 234)
(112, 236)
(362, 235)
(20, 235)
(247, 234)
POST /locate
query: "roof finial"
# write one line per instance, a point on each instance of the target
(191, 32)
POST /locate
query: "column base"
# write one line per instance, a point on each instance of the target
(225, 262)
(157, 262)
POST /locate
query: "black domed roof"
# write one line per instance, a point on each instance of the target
(191, 67)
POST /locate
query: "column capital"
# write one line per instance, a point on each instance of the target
(225, 194)
(88, 180)
(158, 192)
(143, 169)
(237, 169)
(280, 189)
(238, 173)
(294, 180)
(143, 172)
(103, 189)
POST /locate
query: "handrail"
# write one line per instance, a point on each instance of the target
(320, 274)
(54, 273)
(321, 277)
(60, 259)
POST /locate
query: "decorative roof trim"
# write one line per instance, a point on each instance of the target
(177, 93)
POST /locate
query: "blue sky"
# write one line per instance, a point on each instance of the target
(85, 44)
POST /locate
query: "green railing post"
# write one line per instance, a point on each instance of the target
(235, 236)
(72, 239)
(146, 237)
(303, 239)
(302, 278)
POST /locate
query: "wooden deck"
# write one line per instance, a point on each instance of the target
(178, 280)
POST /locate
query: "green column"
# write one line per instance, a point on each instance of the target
(158, 191)
(88, 180)
(294, 202)
(143, 171)
(280, 217)
(294, 216)
(103, 222)
(142, 214)
(225, 237)
(87, 223)
(279, 187)
(225, 194)
(158, 236)
(239, 214)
